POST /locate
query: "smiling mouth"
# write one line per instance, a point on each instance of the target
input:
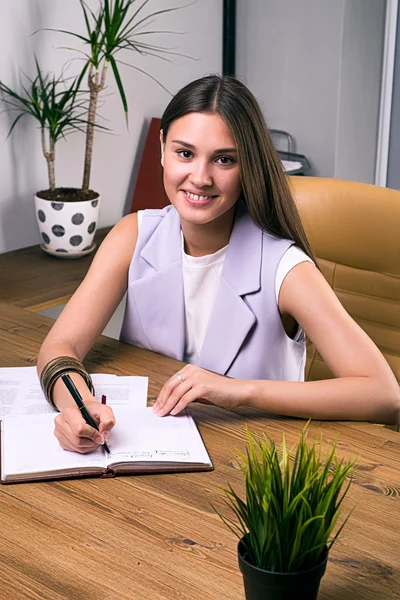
(198, 197)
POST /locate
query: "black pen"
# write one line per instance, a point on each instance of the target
(84, 411)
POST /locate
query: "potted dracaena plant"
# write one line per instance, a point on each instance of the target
(57, 105)
(67, 216)
(118, 25)
(285, 524)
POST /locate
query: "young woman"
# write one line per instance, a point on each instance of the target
(224, 279)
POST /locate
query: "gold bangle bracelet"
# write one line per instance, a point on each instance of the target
(85, 376)
(55, 365)
(59, 366)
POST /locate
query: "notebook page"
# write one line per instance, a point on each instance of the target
(20, 391)
(28, 445)
(141, 435)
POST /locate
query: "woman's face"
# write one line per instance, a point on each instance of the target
(201, 172)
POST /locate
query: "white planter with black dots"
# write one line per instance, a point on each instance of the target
(67, 228)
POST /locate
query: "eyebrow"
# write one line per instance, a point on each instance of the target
(187, 145)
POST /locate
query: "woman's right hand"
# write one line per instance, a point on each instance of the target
(75, 435)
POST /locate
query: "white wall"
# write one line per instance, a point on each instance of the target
(288, 53)
(23, 168)
(316, 67)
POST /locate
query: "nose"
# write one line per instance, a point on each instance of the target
(200, 176)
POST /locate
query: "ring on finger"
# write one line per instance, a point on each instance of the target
(179, 376)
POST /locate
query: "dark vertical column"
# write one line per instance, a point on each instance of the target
(229, 37)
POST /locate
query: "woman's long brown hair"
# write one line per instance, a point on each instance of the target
(264, 183)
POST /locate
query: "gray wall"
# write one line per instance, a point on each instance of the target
(315, 65)
(393, 174)
(360, 89)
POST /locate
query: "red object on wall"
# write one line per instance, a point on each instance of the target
(149, 190)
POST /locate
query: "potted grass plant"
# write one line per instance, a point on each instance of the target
(68, 216)
(287, 520)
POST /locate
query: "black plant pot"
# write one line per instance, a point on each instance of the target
(266, 585)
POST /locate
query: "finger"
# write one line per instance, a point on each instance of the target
(174, 398)
(66, 444)
(171, 397)
(78, 427)
(168, 388)
(104, 416)
(80, 444)
(189, 397)
(173, 382)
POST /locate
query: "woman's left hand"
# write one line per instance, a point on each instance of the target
(194, 383)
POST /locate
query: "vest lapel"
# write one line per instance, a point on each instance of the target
(231, 319)
(159, 296)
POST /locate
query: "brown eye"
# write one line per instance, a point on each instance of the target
(225, 160)
(185, 153)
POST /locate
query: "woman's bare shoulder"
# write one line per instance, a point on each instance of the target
(128, 226)
(120, 242)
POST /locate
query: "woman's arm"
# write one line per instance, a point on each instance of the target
(95, 300)
(82, 321)
(364, 387)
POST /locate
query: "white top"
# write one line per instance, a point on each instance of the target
(201, 276)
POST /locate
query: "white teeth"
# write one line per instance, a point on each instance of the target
(196, 198)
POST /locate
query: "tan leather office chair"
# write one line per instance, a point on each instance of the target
(354, 230)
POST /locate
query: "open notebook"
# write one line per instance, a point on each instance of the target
(141, 442)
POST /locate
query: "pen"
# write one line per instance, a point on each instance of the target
(84, 411)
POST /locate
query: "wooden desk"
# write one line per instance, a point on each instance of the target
(32, 279)
(157, 537)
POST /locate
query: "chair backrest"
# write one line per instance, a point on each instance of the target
(149, 189)
(354, 230)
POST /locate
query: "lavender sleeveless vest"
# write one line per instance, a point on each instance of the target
(245, 338)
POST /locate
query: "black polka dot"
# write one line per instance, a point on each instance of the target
(92, 227)
(94, 203)
(57, 205)
(45, 238)
(41, 216)
(62, 250)
(77, 218)
(58, 230)
(86, 248)
(75, 240)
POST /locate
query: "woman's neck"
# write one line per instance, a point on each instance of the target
(201, 240)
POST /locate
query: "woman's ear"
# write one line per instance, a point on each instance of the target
(162, 147)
